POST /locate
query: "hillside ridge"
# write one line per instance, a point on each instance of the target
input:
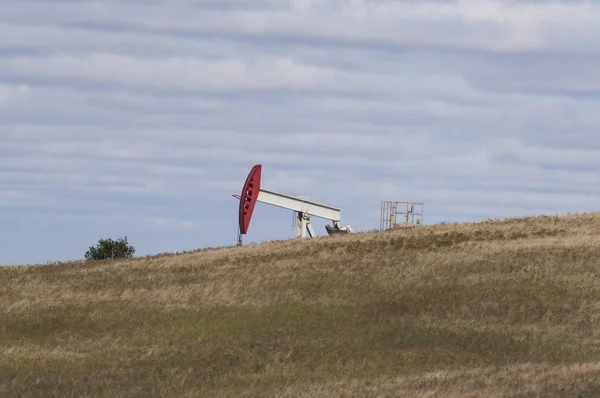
(494, 308)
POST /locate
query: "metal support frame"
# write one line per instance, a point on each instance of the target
(401, 214)
(303, 226)
(303, 209)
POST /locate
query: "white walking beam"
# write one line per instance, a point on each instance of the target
(299, 205)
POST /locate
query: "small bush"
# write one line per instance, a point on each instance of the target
(110, 249)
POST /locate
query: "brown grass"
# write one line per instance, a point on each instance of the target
(499, 308)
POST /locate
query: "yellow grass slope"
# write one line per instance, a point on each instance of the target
(499, 308)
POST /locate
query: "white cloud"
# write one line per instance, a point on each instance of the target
(169, 73)
(469, 24)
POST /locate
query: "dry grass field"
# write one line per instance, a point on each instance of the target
(490, 309)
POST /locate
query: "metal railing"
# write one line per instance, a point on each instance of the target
(400, 214)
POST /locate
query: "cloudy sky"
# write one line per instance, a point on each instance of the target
(141, 118)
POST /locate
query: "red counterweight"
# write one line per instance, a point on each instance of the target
(248, 199)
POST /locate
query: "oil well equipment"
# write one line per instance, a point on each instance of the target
(303, 209)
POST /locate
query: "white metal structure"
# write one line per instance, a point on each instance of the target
(304, 209)
(393, 216)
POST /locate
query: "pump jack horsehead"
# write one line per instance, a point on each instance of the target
(303, 209)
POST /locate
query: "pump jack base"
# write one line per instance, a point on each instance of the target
(333, 231)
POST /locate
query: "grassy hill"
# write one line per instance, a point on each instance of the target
(499, 308)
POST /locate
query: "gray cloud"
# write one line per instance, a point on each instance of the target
(142, 118)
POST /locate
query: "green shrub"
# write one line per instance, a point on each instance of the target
(110, 249)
